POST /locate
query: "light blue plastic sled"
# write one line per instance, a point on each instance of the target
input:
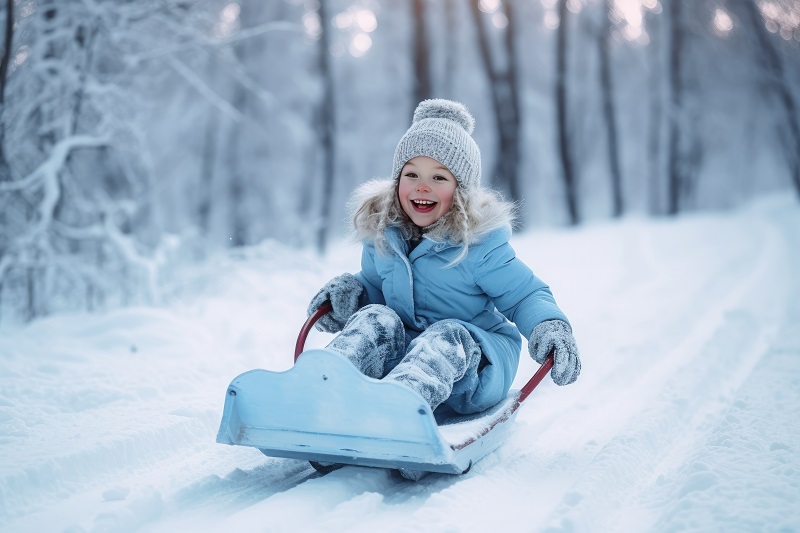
(324, 410)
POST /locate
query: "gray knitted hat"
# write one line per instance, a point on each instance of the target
(442, 130)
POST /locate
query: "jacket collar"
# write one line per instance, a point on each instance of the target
(400, 245)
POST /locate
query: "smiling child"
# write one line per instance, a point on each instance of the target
(441, 298)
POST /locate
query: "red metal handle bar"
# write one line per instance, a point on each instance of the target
(537, 377)
(523, 393)
(323, 310)
(326, 308)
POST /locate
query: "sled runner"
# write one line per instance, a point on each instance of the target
(325, 411)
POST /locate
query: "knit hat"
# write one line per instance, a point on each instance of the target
(442, 130)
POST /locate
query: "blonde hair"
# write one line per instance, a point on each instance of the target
(375, 207)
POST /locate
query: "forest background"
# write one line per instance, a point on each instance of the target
(137, 137)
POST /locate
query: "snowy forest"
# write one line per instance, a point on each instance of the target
(136, 135)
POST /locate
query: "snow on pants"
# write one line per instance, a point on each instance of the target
(374, 340)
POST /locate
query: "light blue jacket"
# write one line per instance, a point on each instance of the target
(485, 291)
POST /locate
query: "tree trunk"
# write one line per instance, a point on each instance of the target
(5, 170)
(655, 120)
(562, 126)
(451, 40)
(675, 162)
(607, 89)
(5, 59)
(505, 100)
(207, 166)
(29, 310)
(775, 73)
(422, 77)
(511, 110)
(326, 126)
(8, 50)
(236, 185)
(85, 39)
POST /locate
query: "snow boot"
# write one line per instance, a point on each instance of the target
(441, 355)
(372, 338)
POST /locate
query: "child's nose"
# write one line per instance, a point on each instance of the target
(423, 186)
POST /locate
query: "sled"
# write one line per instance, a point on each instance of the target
(324, 410)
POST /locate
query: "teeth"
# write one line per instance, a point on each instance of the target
(423, 202)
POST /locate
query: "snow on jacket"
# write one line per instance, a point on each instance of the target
(485, 291)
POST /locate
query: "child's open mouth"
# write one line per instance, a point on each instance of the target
(423, 206)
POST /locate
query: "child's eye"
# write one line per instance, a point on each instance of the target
(440, 178)
(410, 175)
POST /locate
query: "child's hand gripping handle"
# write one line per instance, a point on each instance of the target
(323, 310)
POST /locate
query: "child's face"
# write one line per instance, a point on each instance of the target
(426, 190)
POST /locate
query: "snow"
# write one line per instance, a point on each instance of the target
(684, 417)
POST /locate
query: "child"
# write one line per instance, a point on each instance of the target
(438, 277)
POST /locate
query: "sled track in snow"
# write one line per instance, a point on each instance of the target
(68, 472)
(768, 397)
(715, 359)
(214, 496)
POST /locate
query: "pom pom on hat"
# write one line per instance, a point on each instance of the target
(442, 130)
(447, 109)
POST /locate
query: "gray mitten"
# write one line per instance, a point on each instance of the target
(556, 335)
(343, 292)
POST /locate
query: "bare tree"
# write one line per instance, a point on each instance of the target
(5, 60)
(562, 117)
(777, 83)
(604, 43)
(451, 39)
(676, 173)
(422, 74)
(655, 123)
(68, 236)
(237, 189)
(207, 166)
(5, 169)
(505, 99)
(326, 125)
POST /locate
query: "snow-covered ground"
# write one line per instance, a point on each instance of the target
(685, 417)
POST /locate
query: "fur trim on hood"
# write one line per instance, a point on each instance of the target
(375, 207)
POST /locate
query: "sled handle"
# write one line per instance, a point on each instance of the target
(323, 310)
(523, 393)
(537, 377)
